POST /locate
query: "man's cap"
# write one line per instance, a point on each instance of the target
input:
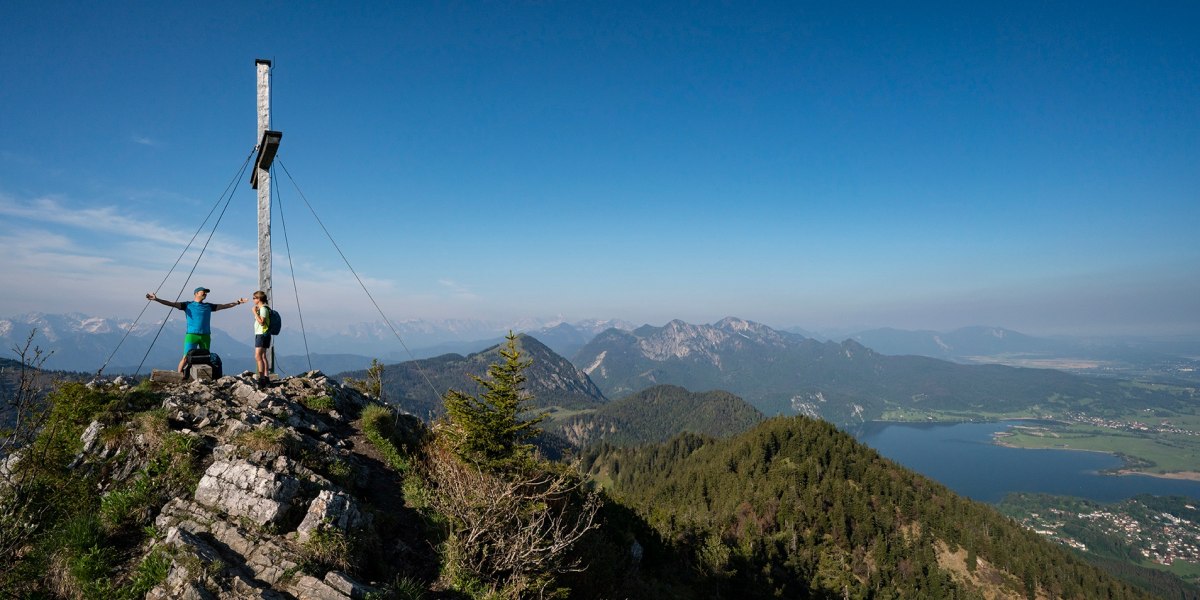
(201, 289)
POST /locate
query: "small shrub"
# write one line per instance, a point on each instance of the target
(416, 493)
(372, 384)
(324, 550)
(150, 572)
(57, 543)
(129, 505)
(512, 531)
(341, 473)
(407, 588)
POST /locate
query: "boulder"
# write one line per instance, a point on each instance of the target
(330, 509)
(242, 489)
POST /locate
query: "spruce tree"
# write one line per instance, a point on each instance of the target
(489, 430)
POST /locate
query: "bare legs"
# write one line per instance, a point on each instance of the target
(260, 361)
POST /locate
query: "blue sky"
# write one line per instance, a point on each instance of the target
(824, 166)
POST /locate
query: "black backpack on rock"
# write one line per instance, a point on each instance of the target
(200, 356)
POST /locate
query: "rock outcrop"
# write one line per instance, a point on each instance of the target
(283, 495)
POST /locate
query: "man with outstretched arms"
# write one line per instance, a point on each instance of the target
(199, 313)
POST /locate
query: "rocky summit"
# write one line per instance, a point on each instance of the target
(285, 470)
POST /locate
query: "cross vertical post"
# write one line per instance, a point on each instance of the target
(263, 176)
(260, 179)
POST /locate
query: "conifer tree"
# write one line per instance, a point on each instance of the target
(489, 430)
(513, 519)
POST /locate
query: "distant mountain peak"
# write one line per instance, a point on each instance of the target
(678, 339)
(750, 329)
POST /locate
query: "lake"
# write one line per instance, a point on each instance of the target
(962, 457)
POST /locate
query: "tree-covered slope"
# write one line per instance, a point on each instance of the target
(657, 413)
(795, 508)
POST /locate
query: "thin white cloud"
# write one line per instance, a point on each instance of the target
(107, 220)
(145, 141)
(458, 291)
(57, 256)
(99, 219)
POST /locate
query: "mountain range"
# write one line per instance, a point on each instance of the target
(778, 373)
(846, 383)
(67, 335)
(1167, 359)
(82, 343)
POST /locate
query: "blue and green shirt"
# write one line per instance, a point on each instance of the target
(199, 315)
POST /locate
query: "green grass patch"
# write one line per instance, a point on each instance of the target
(269, 439)
(1154, 453)
(897, 414)
(558, 413)
(150, 572)
(1189, 572)
(378, 426)
(319, 403)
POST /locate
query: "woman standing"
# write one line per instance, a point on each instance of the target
(262, 339)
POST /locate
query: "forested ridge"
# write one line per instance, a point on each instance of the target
(657, 413)
(796, 508)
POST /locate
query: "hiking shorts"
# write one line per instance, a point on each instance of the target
(262, 340)
(196, 340)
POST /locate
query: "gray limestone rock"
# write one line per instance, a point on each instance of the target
(243, 489)
(90, 435)
(348, 586)
(311, 588)
(331, 509)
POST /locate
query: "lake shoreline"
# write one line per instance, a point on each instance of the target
(952, 452)
(1178, 475)
(997, 438)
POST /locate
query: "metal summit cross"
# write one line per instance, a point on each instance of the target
(260, 179)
